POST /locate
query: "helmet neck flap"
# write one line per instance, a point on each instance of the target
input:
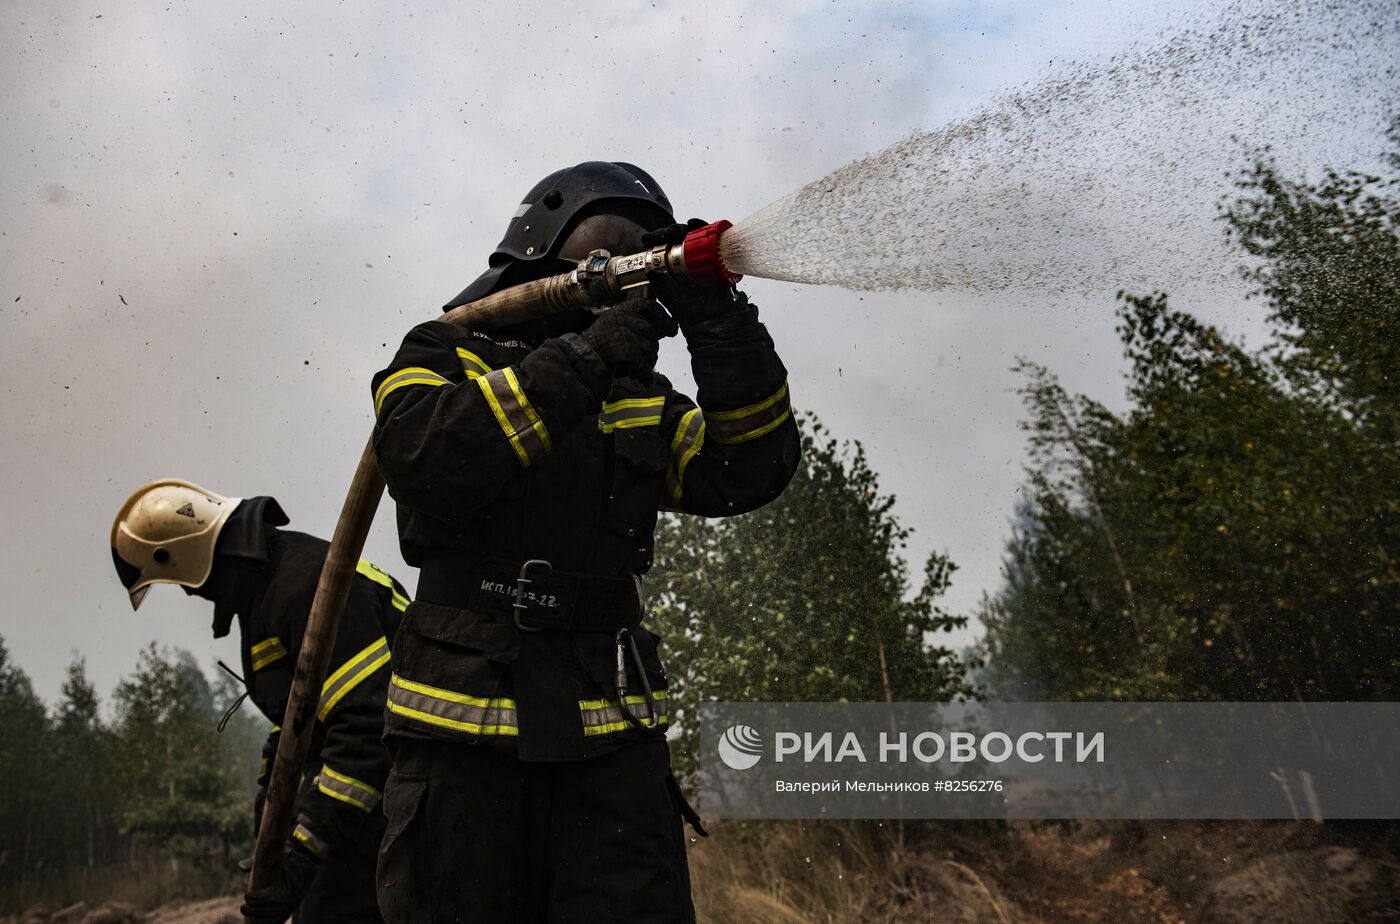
(240, 573)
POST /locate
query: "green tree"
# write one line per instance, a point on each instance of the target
(81, 775)
(85, 801)
(179, 790)
(24, 743)
(1328, 262)
(805, 599)
(1233, 534)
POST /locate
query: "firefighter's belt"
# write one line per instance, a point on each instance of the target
(562, 600)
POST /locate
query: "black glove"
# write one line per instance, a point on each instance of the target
(672, 234)
(275, 903)
(687, 302)
(625, 337)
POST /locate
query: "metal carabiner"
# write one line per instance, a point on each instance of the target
(519, 607)
(625, 640)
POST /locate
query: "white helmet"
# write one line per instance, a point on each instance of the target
(165, 533)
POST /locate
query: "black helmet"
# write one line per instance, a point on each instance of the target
(551, 208)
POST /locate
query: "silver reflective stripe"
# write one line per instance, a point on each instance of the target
(307, 838)
(347, 677)
(605, 716)
(266, 652)
(414, 375)
(689, 439)
(348, 789)
(473, 715)
(750, 422)
(631, 412)
(517, 417)
(474, 366)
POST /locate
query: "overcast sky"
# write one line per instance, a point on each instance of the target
(219, 219)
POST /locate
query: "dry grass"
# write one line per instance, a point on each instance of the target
(800, 873)
(143, 884)
(1092, 872)
(845, 872)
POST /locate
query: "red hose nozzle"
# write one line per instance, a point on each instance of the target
(703, 263)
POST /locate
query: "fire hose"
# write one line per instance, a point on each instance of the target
(599, 280)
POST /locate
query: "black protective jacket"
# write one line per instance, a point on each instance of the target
(498, 453)
(348, 763)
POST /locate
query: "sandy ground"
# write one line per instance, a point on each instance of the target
(214, 911)
(211, 911)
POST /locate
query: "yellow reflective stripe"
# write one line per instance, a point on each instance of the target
(750, 422)
(635, 699)
(628, 423)
(351, 673)
(631, 412)
(367, 789)
(535, 423)
(624, 403)
(449, 695)
(348, 790)
(688, 454)
(622, 725)
(347, 798)
(752, 409)
(689, 438)
(448, 709)
(375, 573)
(472, 364)
(303, 835)
(379, 576)
(757, 431)
(413, 375)
(605, 716)
(473, 728)
(485, 385)
(516, 416)
(266, 652)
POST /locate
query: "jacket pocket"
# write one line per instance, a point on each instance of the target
(403, 794)
(451, 628)
(404, 888)
(448, 666)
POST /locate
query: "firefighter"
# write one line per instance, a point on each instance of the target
(527, 705)
(232, 552)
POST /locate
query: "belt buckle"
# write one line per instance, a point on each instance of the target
(519, 607)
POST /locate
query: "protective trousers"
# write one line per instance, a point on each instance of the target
(343, 891)
(476, 835)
